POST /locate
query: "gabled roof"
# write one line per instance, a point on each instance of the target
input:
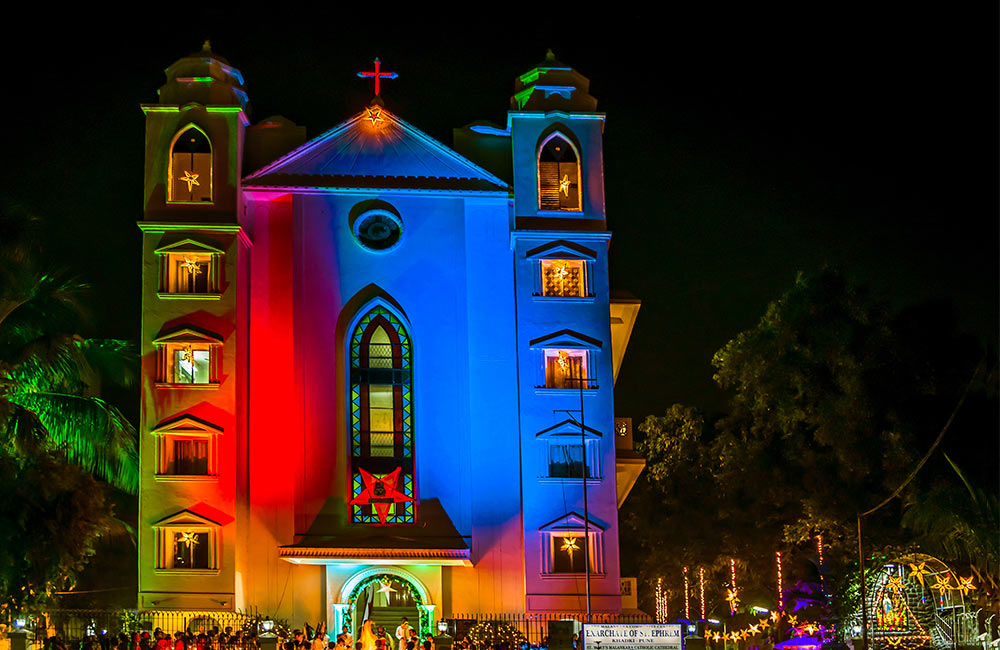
(188, 246)
(565, 339)
(375, 149)
(186, 424)
(570, 521)
(568, 428)
(186, 518)
(187, 335)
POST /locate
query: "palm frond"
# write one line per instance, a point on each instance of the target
(114, 360)
(91, 432)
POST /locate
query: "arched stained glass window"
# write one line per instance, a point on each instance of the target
(190, 168)
(382, 478)
(558, 175)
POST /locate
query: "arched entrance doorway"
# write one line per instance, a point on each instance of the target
(385, 595)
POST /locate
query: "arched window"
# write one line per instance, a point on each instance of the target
(190, 169)
(382, 477)
(558, 175)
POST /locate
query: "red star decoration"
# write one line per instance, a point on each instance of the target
(380, 492)
(374, 114)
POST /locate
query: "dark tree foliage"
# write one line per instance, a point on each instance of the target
(833, 400)
(52, 514)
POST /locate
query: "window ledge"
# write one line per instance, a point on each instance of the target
(191, 572)
(560, 213)
(210, 386)
(570, 481)
(570, 576)
(188, 296)
(182, 478)
(208, 203)
(577, 299)
(544, 390)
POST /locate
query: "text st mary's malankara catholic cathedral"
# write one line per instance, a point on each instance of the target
(364, 358)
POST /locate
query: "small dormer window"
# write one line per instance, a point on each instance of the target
(558, 175)
(565, 368)
(190, 168)
(564, 278)
(188, 358)
(189, 269)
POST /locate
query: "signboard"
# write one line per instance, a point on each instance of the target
(632, 636)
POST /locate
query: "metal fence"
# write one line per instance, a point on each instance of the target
(513, 630)
(103, 627)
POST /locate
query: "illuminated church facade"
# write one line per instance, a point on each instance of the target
(364, 359)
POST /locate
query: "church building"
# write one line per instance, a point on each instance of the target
(378, 372)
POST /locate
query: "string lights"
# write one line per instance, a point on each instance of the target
(819, 549)
(662, 610)
(781, 603)
(733, 596)
(701, 588)
(687, 603)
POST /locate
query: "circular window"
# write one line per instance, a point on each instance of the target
(378, 230)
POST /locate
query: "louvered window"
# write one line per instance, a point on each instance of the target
(558, 176)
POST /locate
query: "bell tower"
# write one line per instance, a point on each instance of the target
(560, 240)
(195, 261)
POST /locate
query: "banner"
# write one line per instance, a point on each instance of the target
(632, 636)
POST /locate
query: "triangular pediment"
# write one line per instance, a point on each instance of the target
(561, 249)
(377, 149)
(566, 339)
(187, 335)
(571, 521)
(185, 518)
(186, 425)
(188, 246)
(568, 428)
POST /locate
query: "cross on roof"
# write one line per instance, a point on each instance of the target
(377, 75)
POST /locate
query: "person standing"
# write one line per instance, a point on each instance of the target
(403, 633)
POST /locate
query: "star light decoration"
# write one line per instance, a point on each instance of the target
(569, 545)
(564, 185)
(374, 115)
(188, 355)
(734, 600)
(188, 538)
(563, 361)
(191, 266)
(385, 589)
(380, 492)
(190, 178)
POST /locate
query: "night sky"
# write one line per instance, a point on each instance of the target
(739, 148)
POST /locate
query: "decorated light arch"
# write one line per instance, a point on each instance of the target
(357, 584)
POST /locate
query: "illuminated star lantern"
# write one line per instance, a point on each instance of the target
(191, 179)
(380, 492)
(764, 624)
(775, 616)
(734, 600)
(965, 585)
(918, 571)
(386, 588)
(188, 356)
(943, 585)
(191, 266)
(563, 361)
(374, 114)
(569, 545)
(755, 629)
(564, 185)
(793, 620)
(188, 538)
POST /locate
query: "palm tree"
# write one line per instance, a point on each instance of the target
(50, 375)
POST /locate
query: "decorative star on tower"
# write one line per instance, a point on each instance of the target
(380, 492)
(386, 589)
(191, 266)
(374, 114)
(190, 178)
(564, 185)
(569, 545)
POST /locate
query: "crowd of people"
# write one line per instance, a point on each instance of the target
(370, 637)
